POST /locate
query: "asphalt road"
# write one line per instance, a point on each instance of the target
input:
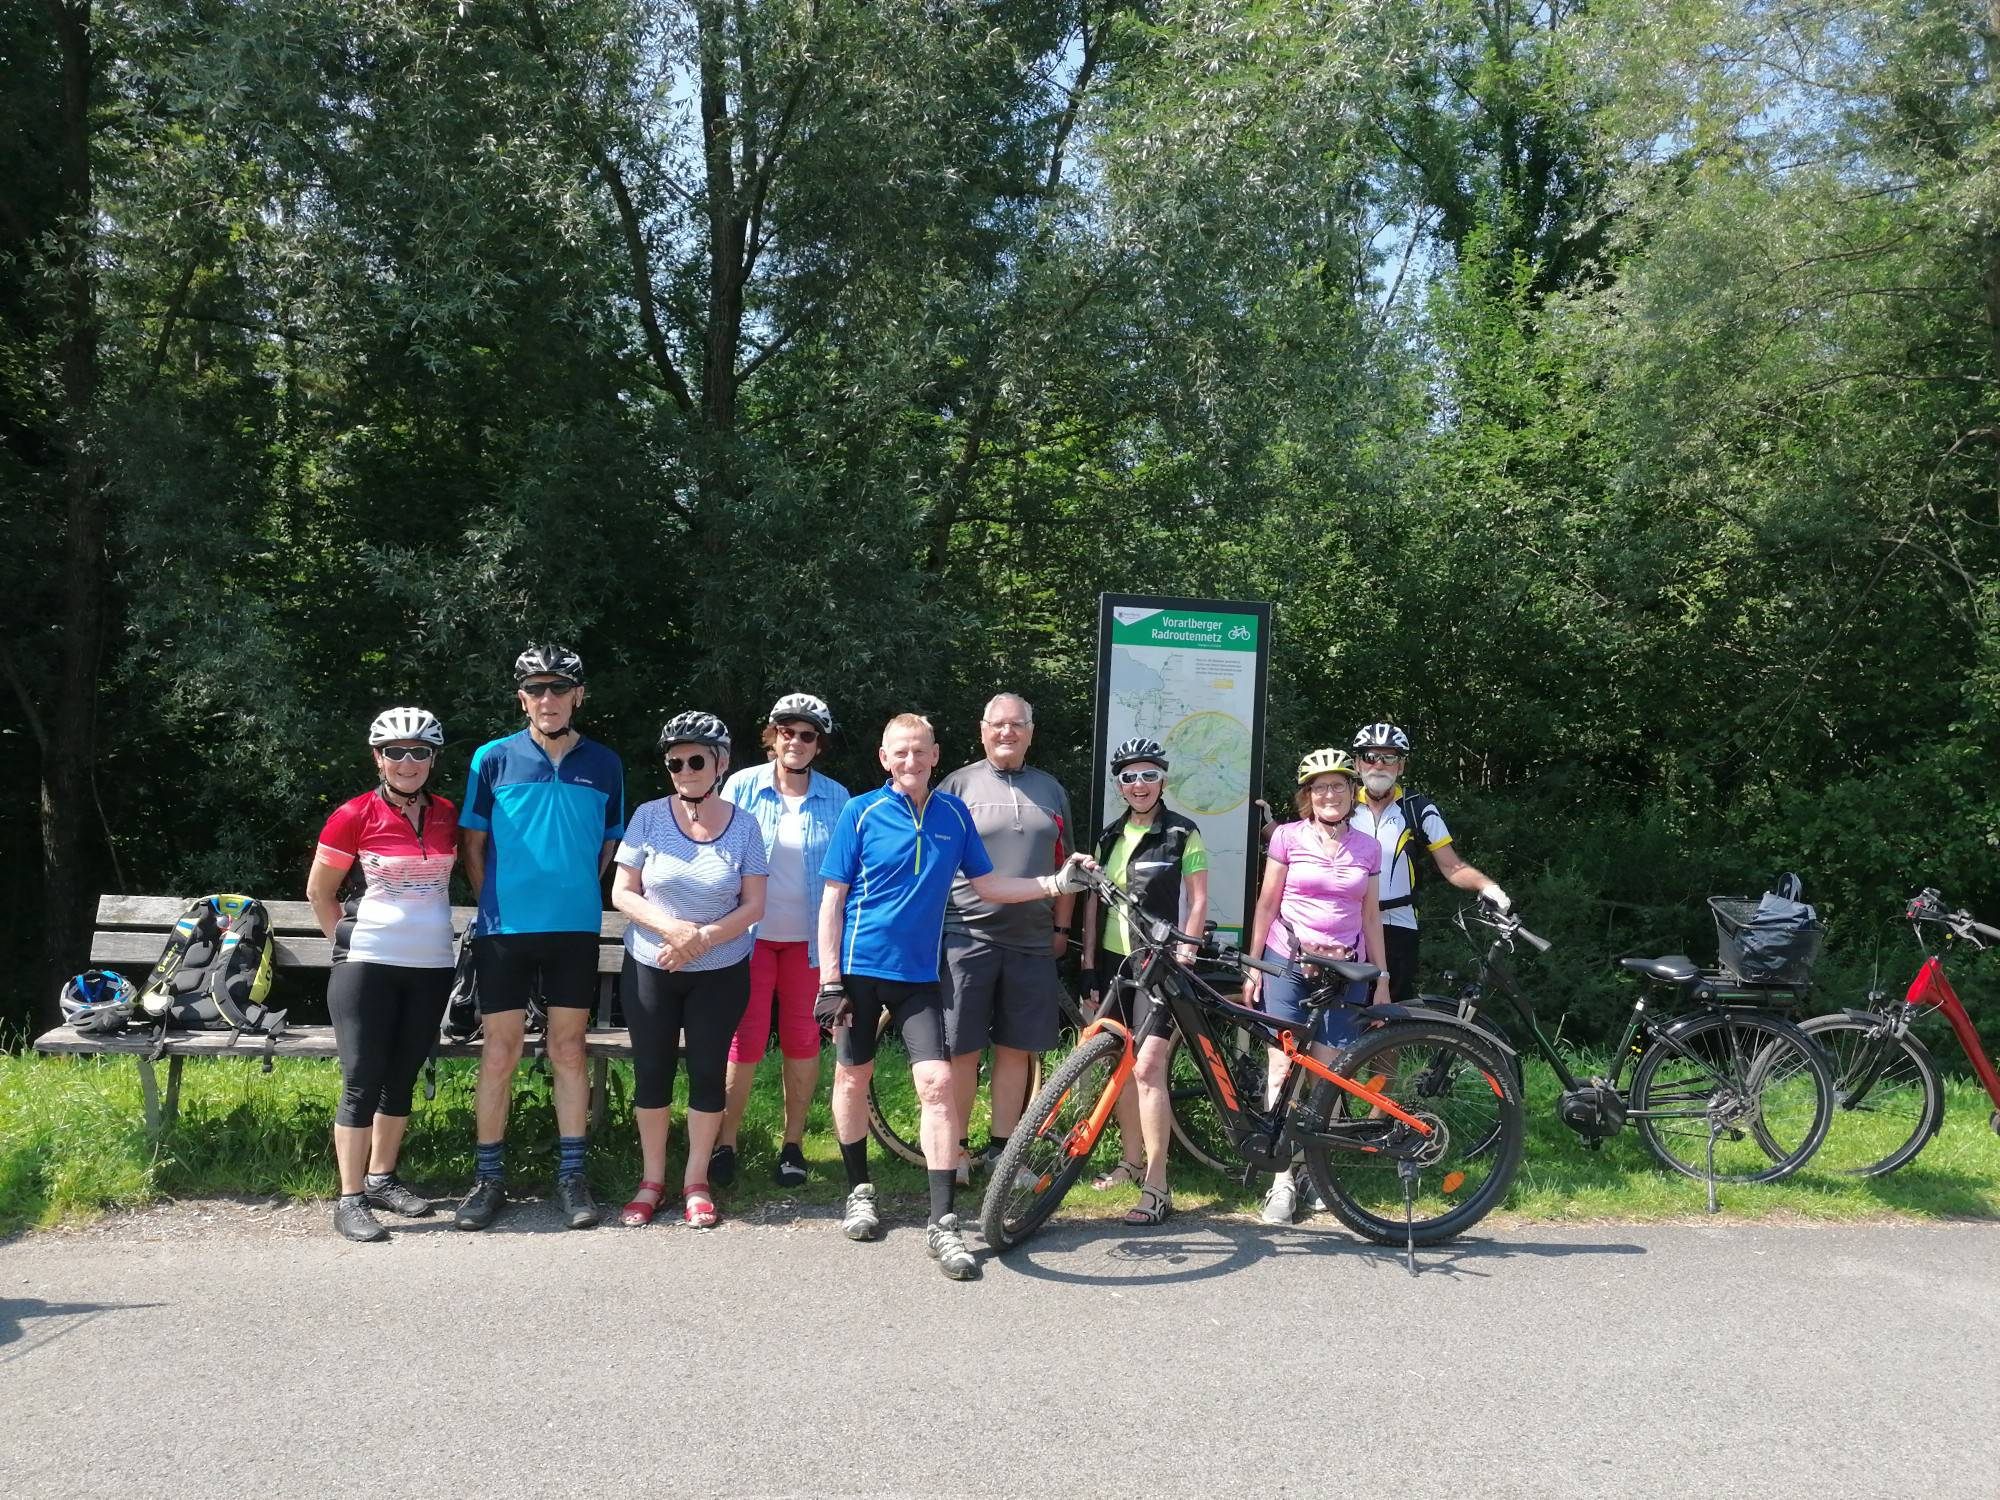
(212, 1350)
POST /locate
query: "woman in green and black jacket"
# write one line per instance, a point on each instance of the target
(1157, 856)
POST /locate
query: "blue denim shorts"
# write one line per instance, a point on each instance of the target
(1285, 1000)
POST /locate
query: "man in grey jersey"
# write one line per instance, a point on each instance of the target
(998, 964)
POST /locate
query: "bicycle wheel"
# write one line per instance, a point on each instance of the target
(1888, 1100)
(1454, 1082)
(1053, 1144)
(895, 1114)
(1197, 1125)
(1752, 1081)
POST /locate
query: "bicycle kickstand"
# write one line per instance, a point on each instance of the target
(1713, 1206)
(1407, 1170)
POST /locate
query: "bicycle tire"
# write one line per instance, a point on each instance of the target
(894, 1116)
(1760, 1079)
(1516, 1070)
(1039, 1166)
(1456, 1082)
(1894, 1115)
(1195, 1121)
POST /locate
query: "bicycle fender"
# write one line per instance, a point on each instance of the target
(1421, 1012)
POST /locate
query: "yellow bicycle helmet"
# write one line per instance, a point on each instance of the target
(1320, 762)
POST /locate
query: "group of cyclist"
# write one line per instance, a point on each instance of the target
(771, 890)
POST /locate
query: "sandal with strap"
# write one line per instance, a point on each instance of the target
(1125, 1174)
(698, 1207)
(639, 1213)
(1152, 1208)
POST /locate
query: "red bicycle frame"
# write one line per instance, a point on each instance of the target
(1931, 987)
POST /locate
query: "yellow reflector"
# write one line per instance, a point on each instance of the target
(1453, 1181)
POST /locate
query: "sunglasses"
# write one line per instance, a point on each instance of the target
(677, 764)
(1381, 757)
(548, 689)
(1140, 778)
(417, 753)
(804, 734)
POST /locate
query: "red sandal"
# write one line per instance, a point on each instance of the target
(698, 1207)
(638, 1213)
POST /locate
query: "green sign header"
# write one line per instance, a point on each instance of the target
(1174, 628)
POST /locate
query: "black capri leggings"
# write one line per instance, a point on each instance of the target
(385, 1022)
(659, 1006)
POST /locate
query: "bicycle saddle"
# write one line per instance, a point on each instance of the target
(1338, 968)
(1674, 968)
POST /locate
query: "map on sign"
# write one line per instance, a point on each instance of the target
(1189, 678)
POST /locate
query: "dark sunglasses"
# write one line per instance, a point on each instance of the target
(1381, 757)
(407, 752)
(804, 734)
(544, 689)
(677, 764)
(1140, 778)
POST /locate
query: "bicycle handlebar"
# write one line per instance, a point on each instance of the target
(1928, 906)
(1539, 944)
(1507, 923)
(1158, 932)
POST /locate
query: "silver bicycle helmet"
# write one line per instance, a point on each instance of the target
(694, 728)
(393, 724)
(1132, 750)
(548, 660)
(802, 706)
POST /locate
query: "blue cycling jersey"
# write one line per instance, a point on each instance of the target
(898, 865)
(546, 824)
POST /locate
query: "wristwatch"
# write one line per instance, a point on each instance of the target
(1065, 931)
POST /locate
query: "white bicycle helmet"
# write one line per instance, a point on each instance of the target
(802, 706)
(1381, 736)
(393, 724)
(98, 1001)
(1132, 750)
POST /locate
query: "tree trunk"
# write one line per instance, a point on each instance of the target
(69, 754)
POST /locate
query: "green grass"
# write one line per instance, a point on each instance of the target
(72, 1144)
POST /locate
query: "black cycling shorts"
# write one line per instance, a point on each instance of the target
(915, 1010)
(561, 967)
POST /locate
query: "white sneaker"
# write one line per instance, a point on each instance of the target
(861, 1222)
(1281, 1203)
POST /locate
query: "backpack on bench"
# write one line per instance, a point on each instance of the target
(463, 1020)
(215, 973)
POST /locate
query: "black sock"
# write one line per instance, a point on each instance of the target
(352, 1197)
(854, 1157)
(943, 1185)
(376, 1181)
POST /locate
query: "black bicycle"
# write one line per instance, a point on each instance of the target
(1727, 1092)
(1384, 1128)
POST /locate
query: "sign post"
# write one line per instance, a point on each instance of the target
(1191, 674)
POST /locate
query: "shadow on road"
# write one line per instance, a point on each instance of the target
(19, 1314)
(1095, 1254)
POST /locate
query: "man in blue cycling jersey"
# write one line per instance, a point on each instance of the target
(889, 870)
(543, 812)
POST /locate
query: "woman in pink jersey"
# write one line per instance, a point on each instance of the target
(392, 958)
(1319, 897)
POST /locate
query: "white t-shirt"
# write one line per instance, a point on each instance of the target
(788, 913)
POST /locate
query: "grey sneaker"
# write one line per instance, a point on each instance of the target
(1281, 1203)
(393, 1197)
(352, 1218)
(481, 1205)
(579, 1210)
(947, 1248)
(861, 1222)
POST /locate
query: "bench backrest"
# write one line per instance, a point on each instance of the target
(131, 931)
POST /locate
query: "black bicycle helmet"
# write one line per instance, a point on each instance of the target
(1381, 736)
(548, 660)
(694, 728)
(1132, 750)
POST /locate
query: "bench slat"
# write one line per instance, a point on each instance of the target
(158, 913)
(298, 1041)
(142, 950)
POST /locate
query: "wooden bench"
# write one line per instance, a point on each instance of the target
(131, 931)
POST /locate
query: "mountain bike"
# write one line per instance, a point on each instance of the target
(1888, 1093)
(1383, 1127)
(1729, 1092)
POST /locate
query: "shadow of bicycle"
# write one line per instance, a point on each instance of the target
(21, 1317)
(1101, 1255)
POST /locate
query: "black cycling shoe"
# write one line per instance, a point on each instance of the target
(791, 1169)
(482, 1205)
(394, 1197)
(722, 1166)
(352, 1218)
(579, 1209)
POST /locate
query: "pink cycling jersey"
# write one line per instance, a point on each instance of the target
(1326, 890)
(404, 914)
